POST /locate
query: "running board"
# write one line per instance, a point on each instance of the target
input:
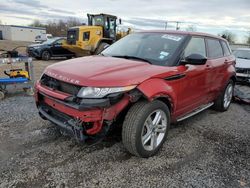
(196, 111)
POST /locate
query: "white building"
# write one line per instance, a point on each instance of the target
(20, 33)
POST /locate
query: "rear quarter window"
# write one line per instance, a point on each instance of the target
(226, 48)
(214, 49)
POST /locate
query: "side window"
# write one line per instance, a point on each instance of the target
(225, 48)
(196, 46)
(214, 49)
(86, 36)
(59, 42)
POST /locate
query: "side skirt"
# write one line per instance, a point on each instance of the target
(196, 111)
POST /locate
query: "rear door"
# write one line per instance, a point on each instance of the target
(193, 87)
(216, 64)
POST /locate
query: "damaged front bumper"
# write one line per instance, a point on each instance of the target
(81, 119)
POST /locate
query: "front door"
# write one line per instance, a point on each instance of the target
(193, 87)
(57, 48)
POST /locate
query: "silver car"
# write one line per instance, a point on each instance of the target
(243, 64)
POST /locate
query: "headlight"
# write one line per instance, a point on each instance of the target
(100, 92)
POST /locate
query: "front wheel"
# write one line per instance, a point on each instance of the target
(223, 102)
(145, 128)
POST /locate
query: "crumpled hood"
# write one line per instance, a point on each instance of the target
(99, 71)
(243, 63)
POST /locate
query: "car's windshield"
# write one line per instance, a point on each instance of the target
(50, 41)
(156, 48)
(242, 54)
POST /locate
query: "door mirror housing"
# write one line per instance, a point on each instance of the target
(195, 59)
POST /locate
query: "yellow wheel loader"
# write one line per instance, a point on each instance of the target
(100, 32)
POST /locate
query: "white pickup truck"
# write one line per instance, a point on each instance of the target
(43, 37)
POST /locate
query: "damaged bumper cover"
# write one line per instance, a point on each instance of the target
(79, 119)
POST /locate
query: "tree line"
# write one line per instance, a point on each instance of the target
(60, 27)
(57, 27)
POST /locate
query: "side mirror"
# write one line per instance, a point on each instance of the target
(120, 21)
(195, 59)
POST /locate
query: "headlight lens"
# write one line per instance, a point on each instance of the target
(100, 92)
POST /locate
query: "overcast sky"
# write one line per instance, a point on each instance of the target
(213, 16)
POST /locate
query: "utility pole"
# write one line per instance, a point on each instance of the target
(177, 24)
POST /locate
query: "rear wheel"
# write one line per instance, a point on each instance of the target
(145, 128)
(223, 102)
(46, 55)
(101, 47)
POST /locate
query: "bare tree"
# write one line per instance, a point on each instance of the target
(57, 27)
(37, 23)
(229, 36)
(71, 22)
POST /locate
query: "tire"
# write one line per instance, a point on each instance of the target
(100, 48)
(222, 103)
(46, 55)
(69, 57)
(2, 95)
(136, 128)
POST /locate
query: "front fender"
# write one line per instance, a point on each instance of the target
(156, 88)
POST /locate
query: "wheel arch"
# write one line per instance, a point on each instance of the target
(166, 100)
(234, 78)
(158, 89)
(46, 49)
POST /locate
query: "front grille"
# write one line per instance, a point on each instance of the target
(55, 113)
(60, 85)
(243, 70)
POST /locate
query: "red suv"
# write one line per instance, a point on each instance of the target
(147, 80)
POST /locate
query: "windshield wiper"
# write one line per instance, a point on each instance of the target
(132, 57)
(242, 57)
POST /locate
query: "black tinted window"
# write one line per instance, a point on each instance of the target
(59, 42)
(225, 48)
(214, 48)
(196, 46)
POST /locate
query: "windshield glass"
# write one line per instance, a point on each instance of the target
(98, 20)
(156, 48)
(50, 41)
(242, 54)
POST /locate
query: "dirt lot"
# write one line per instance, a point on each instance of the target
(209, 150)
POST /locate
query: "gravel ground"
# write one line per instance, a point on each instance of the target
(209, 150)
